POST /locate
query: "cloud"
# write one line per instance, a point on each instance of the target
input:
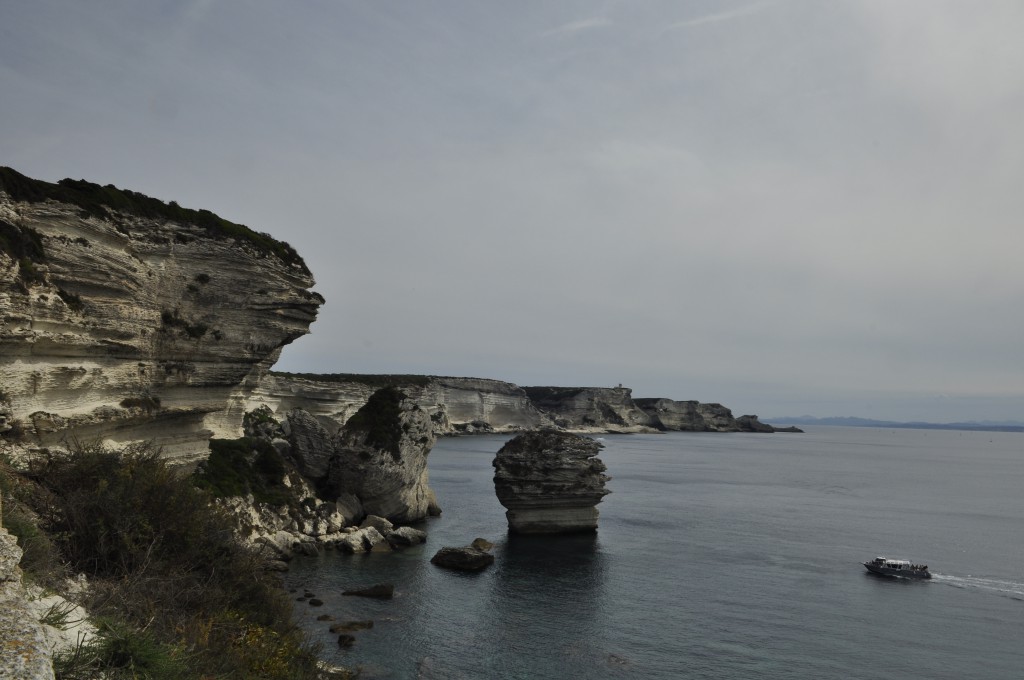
(581, 25)
(720, 16)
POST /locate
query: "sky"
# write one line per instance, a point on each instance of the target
(789, 207)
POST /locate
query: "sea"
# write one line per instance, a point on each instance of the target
(717, 556)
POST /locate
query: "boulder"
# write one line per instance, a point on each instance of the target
(384, 591)
(361, 540)
(466, 558)
(349, 507)
(550, 482)
(311, 446)
(482, 544)
(351, 626)
(378, 523)
(405, 536)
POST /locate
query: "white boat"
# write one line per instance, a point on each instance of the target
(885, 566)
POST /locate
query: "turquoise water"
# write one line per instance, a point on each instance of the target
(718, 556)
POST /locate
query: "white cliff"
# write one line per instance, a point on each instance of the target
(121, 323)
(453, 404)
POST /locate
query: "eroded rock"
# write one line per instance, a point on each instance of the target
(381, 458)
(550, 482)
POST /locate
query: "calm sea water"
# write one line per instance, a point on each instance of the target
(718, 556)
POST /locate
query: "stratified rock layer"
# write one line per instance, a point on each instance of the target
(129, 325)
(591, 409)
(550, 482)
(455, 405)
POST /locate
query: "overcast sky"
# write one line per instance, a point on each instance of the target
(790, 207)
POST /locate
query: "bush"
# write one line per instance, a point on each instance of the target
(179, 591)
(237, 467)
(146, 403)
(379, 419)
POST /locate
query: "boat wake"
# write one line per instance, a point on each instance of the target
(1010, 589)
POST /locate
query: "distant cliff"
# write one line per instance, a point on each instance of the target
(125, 318)
(473, 405)
(454, 404)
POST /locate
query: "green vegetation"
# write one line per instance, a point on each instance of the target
(74, 302)
(103, 201)
(24, 245)
(379, 419)
(237, 467)
(173, 320)
(174, 595)
(544, 395)
(21, 242)
(371, 380)
(146, 402)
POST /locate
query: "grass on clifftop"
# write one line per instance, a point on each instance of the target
(173, 593)
(98, 201)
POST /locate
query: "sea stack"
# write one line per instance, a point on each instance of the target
(550, 482)
(381, 459)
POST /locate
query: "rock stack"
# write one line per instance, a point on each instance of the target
(381, 458)
(550, 482)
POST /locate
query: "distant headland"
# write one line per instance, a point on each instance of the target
(846, 421)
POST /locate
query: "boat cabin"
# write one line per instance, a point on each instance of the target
(889, 563)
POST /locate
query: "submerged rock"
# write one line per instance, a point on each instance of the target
(550, 482)
(466, 558)
(384, 591)
(351, 626)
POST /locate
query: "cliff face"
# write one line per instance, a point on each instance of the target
(123, 320)
(453, 404)
(457, 405)
(591, 409)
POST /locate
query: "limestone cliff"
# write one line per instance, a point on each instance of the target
(123, 318)
(453, 404)
(474, 405)
(693, 416)
(591, 409)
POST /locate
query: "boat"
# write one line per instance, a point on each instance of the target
(885, 566)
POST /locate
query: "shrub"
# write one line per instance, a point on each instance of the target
(182, 598)
(379, 420)
(74, 302)
(172, 319)
(147, 403)
(237, 467)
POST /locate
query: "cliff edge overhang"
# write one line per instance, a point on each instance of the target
(124, 318)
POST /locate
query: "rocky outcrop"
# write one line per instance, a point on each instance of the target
(591, 409)
(381, 458)
(550, 482)
(123, 318)
(24, 652)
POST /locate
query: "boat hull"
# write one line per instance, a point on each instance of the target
(897, 573)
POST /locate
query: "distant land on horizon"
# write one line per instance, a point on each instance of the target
(847, 421)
